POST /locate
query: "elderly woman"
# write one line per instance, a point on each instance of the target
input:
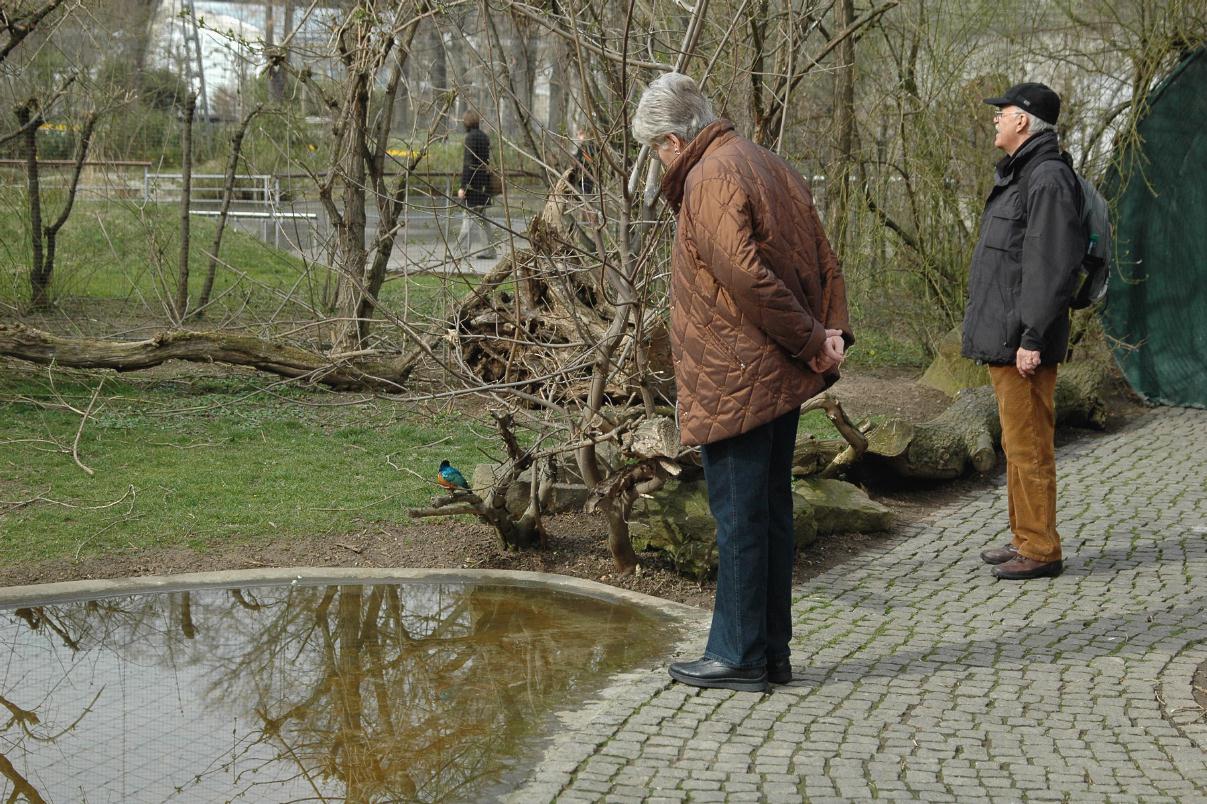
(758, 326)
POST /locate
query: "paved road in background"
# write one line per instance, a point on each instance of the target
(920, 677)
(425, 242)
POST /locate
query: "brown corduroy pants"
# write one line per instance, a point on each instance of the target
(1027, 408)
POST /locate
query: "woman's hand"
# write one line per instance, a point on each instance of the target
(833, 352)
(835, 347)
(821, 363)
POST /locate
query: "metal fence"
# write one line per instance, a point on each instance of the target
(100, 180)
(284, 209)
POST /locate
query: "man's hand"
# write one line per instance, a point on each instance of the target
(1026, 361)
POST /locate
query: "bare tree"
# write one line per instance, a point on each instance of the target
(43, 237)
(186, 191)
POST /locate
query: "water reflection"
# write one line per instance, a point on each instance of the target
(324, 693)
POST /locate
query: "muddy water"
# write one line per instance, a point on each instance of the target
(384, 692)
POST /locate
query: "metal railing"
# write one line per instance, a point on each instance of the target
(100, 179)
(262, 188)
(284, 207)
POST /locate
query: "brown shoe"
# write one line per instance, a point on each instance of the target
(999, 555)
(1020, 568)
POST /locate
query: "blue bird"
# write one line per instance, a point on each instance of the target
(450, 477)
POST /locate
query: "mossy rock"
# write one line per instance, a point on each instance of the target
(677, 521)
(840, 507)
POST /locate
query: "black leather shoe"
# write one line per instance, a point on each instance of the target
(999, 555)
(779, 671)
(1021, 568)
(706, 672)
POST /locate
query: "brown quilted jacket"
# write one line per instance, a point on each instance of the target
(754, 286)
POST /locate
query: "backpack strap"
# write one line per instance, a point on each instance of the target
(1024, 179)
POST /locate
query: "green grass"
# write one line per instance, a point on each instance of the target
(876, 347)
(115, 253)
(118, 251)
(206, 461)
(204, 456)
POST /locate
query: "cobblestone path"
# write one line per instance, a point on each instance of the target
(920, 677)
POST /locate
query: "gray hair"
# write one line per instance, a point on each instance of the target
(671, 104)
(1035, 125)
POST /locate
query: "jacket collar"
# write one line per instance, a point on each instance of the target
(1010, 166)
(673, 180)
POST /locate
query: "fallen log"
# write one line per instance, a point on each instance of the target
(966, 435)
(360, 372)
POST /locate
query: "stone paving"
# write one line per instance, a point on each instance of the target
(920, 677)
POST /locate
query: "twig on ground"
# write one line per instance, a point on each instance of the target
(121, 520)
(41, 498)
(75, 444)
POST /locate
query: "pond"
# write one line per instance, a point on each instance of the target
(351, 692)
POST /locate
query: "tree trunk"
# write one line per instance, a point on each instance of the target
(39, 279)
(52, 231)
(349, 294)
(186, 190)
(967, 434)
(559, 57)
(367, 372)
(839, 184)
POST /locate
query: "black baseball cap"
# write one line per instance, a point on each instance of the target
(1038, 99)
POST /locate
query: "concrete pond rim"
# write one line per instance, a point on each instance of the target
(96, 588)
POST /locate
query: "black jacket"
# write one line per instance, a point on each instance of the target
(475, 168)
(1026, 260)
(584, 164)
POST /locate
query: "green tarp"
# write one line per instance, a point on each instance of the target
(1157, 299)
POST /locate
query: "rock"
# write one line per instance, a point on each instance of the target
(677, 520)
(840, 507)
(568, 495)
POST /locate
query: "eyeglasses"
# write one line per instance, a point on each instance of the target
(999, 115)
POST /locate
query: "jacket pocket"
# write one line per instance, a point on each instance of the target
(1013, 328)
(725, 347)
(1004, 229)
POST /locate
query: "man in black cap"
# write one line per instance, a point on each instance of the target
(1017, 318)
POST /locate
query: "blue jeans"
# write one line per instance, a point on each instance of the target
(749, 479)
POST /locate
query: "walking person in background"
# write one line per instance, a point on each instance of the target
(1017, 317)
(475, 186)
(758, 326)
(582, 180)
(584, 164)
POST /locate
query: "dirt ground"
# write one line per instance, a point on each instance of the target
(577, 542)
